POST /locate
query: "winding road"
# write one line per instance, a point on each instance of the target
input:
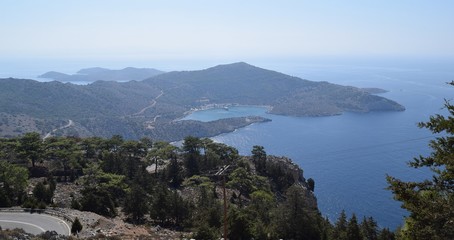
(33, 223)
(70, 123)
(153, 102)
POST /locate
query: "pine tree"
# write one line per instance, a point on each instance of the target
(431, 202)
(259, 159)
(31, 147)
(369, 228)
(353, 231)
(136, 204)
(76, 227)
(340, 228)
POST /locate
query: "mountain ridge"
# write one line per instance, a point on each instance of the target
(140, 108)
(97, 73)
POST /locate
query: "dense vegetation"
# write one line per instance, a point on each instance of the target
(150, 107)
(267, 197)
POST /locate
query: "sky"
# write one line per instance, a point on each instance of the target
(224, 30)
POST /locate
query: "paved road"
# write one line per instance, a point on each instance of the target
(33, 222)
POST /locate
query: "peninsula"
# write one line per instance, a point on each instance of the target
(152, 107)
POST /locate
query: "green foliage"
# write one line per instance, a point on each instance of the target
(431, 202)
(260, 209)
(31, 147)
(162, 150)
(167, 207)
(191, 146)
(239, 224)
(102, 192)
(98, 200)
(369, 228)
(76, 227)
(115, 176)
(136, 204)
(386, 234)
(204, 232)
(15, 180)
(246, 183)
(340, 228)
(9, 150)
(43, 193)
(295, 219)
(259, 159)
(353, 231)
(65, 154)
(174, 173)
(5, 200)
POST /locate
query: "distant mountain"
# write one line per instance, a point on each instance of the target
(152, 106)
(242, 83)
(97, 73)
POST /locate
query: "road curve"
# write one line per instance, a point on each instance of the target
(33, 223)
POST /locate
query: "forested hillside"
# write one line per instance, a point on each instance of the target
(182, 189)
(138, 109)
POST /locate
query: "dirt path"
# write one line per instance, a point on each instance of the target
(70, 123)
(152, 104)
(151, 123)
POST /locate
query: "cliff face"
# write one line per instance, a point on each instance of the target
(279, 168)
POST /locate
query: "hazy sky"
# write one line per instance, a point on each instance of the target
(203, 29)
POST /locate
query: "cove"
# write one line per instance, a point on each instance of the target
(349, 155)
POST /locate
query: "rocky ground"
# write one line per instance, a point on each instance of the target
(95, 225)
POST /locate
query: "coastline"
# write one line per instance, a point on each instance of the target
(269, 108)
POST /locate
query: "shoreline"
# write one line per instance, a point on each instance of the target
(219, 106)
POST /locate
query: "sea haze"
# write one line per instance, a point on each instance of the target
(349, 155)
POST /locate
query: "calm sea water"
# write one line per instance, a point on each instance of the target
(349, 155)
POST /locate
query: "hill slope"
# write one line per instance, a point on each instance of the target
(149, 107)
(242, 83)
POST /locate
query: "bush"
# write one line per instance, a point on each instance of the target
(76, 227)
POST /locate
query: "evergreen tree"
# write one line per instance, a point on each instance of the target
(340, 228)
(239, 225)
(191, 146)
(76, 226)
(160, 207)
(15, 180)
(369, 228)
(42, 193)
(385, 234)
(431, 202)
(259, 159)
(174, 172)
(295, 219)
(65, 154)
(31, 147)
(353, 231)
(98, 200)
(136, 204)
(204, 232)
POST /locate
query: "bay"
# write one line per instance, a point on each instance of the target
(349, 155)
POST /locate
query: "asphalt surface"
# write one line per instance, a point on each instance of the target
(33, 222)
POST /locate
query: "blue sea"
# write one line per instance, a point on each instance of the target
(350, 155)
